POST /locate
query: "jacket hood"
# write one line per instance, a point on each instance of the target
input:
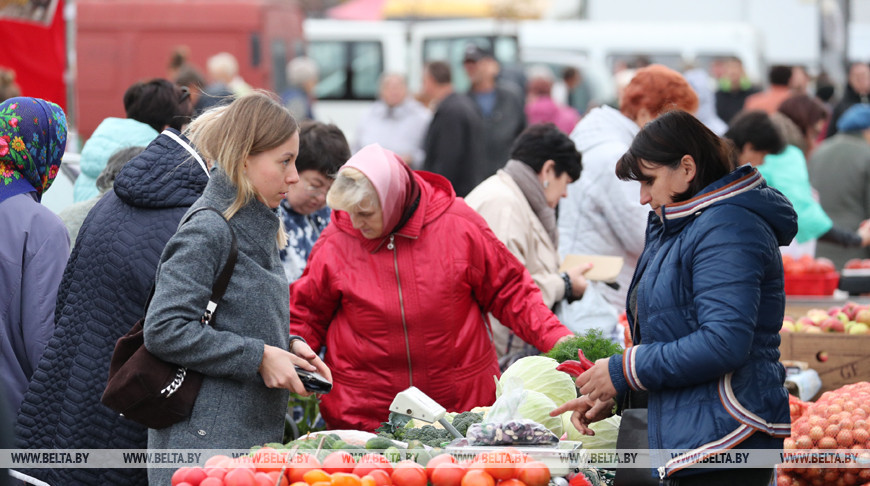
(436, 196)
(601, 126)
(113, 134)
(165, 175)
(744, 187)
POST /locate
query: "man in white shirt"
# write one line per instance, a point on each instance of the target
(396, 121)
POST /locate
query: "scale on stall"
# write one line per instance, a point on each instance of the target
(416, 404)
(564, 459)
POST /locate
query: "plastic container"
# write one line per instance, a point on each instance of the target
(812, 283)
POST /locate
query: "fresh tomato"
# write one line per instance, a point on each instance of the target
(218, 461)
(497, 463)
(477, 478)
(180, 475)
(339, 461)
(381, 477)
(511, 482)
(534, 473)
(439, 459)
(211, 481)
(298, 465)
(409, 473)
(241, 476)
(371, 462)
(267, 459)
(446, 474)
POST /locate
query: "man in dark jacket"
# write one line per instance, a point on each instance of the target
(454, 141)
(500, 104)
(857, 91)
(840, 170)
(102, 294)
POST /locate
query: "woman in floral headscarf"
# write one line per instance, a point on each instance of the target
(35, 241)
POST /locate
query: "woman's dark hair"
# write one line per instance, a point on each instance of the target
(542, 142)
(322, 147)
(804, 110)
(665, 140)
(158, 103)
(755, 127)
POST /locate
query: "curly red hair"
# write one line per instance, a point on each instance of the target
(659, 89)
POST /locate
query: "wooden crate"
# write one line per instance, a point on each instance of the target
(839, 359)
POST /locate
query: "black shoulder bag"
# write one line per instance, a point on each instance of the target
(146, 389)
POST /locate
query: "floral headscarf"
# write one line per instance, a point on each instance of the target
(32, 141)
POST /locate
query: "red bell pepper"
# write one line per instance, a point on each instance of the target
(575, 368)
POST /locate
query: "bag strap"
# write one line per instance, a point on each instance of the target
(223, 279)
(187, 147)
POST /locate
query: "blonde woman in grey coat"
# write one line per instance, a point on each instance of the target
(248, 356)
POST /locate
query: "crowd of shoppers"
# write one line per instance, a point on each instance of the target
(355, 263)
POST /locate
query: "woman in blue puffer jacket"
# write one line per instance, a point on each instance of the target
(705, 305)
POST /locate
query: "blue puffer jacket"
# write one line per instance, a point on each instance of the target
(111, 135)
(710, 304)
(101, 296)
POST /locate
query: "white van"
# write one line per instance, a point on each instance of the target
(353, 54)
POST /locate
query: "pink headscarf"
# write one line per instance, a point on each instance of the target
(392, 180)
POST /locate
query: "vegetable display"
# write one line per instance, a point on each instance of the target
(594, 345)
(539, 374)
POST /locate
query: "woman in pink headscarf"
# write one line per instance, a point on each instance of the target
(397, 288)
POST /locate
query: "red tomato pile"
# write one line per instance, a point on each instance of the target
(837, 421)
(270, 467)
(857, 263)
(806, 264)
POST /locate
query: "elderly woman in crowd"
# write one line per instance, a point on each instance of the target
(397, 289)
(518, 203)
(35, 242)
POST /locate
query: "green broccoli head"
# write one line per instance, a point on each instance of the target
(465, 419)
(429, 435)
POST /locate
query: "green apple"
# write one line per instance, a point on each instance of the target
(859, 328)
(787, 326)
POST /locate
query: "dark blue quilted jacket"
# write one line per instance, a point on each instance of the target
(102, 294)
(710, 303)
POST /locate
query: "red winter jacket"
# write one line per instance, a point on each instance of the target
(408, 309)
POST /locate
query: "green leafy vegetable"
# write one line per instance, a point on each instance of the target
(465, 419)
(538, 373)
(594, 345)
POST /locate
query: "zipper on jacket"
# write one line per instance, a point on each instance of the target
(661, 475)
(392, 246)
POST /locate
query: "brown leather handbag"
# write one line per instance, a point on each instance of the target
(146, 389)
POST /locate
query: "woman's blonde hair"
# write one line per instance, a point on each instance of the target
(229, 134)
(352, 189)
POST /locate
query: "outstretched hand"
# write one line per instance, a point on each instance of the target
(585, 412)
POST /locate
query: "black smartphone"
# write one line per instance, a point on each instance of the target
(313, 381)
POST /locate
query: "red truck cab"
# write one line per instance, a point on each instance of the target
(119, 42)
